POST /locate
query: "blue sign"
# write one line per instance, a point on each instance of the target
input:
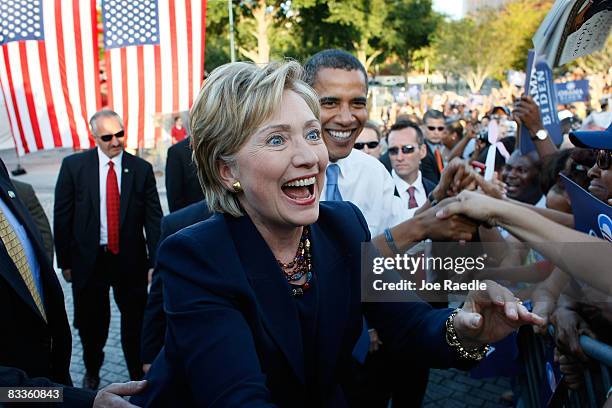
(591, 215)
(540, 86)
(572, 91)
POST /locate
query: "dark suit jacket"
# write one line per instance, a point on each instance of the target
(26, 194)
(76, 221)
(233, 336)
(182, 185)
(428, 167)
(29, 346)
(154, 324)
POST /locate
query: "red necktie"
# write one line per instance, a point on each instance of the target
(439, 161)
(112, 209)
(412, 203)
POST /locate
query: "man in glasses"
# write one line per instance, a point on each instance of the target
(434, 126)
(601, 173)
(406, 150)
(369, 140)
(105, 199)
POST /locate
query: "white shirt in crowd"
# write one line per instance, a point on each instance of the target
(364, 181)
(419, 193)
(103, 160)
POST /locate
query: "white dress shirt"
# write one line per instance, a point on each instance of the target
(103, 160)
(364, 181)
(419, 192)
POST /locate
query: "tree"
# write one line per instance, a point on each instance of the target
(488, 43)
(366, 18)
(408, 27)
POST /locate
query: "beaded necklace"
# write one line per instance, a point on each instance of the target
(299, 267)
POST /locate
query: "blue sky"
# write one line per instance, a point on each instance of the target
(453, 8)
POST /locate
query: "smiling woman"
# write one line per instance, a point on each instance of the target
(263, 299)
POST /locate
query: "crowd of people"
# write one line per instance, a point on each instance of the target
(278, 196)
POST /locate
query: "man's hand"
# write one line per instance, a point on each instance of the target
(67, 274)
(112, 395)
(375, 342)
(571, 368)
(457, 176)
(453, 228)
(569, 326)
(527, 113)
(494, 188)
(490, 315)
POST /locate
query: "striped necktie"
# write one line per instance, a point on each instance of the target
(17, 253)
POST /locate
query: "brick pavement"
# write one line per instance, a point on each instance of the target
(446, 388)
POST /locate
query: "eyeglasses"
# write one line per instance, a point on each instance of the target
(360, 145)
(438, 128)
(108, 138)
(406, 149)
(604, 159)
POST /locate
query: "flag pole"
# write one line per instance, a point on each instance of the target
(230, 9)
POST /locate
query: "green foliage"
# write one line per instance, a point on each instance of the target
(488, 43)
(408, 27)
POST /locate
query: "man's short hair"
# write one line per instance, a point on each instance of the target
(433, 114)
(403, 124)
(372, 125)
(104, 113)
(332, 58)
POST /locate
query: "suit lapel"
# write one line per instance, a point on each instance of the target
(280, 315)
(10, 272)
(92, 181)
(329, 265)
(127, 177)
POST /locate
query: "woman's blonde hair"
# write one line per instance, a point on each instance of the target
(234, 102)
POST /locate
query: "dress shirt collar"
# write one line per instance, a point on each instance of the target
(403, 186)
(103, 159)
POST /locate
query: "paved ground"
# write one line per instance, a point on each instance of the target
(447, 388)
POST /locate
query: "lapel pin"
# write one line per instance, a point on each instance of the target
(11, 194)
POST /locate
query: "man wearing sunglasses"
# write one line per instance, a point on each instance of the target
(434, 126)
(105, 199)
(368, 140)
(601, 173)
(406, 150)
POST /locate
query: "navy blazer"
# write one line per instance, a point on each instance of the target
(233, 335)
(154, 322)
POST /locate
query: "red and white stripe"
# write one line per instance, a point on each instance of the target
(51, 86)
(150, 80)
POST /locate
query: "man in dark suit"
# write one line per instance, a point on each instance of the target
(104, 199)
(433, 163)
(26, 194)
(182, 185)
(36, 344)
(154, 325)
(406, 151)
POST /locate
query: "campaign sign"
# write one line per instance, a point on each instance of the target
(591, 215)
(572, 91)
(540, 86)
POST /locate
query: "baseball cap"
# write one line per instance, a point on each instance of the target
(597, 139)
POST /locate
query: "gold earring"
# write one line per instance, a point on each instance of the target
(237, 187)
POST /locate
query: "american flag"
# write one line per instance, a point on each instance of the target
(49, 71)
(154, 61)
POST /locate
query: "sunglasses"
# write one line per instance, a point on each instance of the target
(108, 138)
(406, 149)
(361, 145)
(604, 159)
(438, 128)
